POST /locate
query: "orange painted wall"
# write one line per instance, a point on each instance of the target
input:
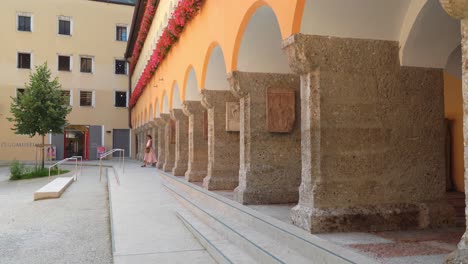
(454, 112)
(220, 22)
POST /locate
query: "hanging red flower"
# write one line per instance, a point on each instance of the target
(185, 11)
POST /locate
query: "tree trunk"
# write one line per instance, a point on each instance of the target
(42, 153)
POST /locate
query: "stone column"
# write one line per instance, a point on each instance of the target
(458, 9)
(154, 134)
(161, 142)
(372, 137)
(223, 146)
(181, 146)
(136, 133)
(169, 146)
(142, 146)
(270, 163)
(198, 145)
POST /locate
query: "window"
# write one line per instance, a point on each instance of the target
(67, 95)
(24, 22)
(19, 92)
(120, 67)
(64, 63)
(24, 60)
(121, 33)
(87, 64)
(86, 98)
(64, 26)
(120, 99)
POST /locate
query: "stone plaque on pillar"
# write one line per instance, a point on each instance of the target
(232, 116)
(280, 110)
(173, 131)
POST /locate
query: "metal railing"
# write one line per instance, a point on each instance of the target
(121, 162)
(75, 158)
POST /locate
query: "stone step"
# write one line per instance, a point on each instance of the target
(221, 249)
(264, 238)
(53, 189)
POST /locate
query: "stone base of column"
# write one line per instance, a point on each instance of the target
(167, 167)
(195, 176)
(160, 165)
(265, 195)
(221, 180)
(373, 218)
(179, 171)
(457, 257)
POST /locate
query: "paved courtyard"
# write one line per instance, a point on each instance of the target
(72, 229)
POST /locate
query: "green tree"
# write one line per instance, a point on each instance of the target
(41, 109)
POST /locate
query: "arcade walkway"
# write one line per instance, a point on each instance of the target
(144, 226)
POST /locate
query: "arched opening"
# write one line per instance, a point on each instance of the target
(432, 38)
(165, 104)
(434, 42)
(261, 44)
(192, 93)
(263, 83)
(222, 125)
(176, 98)
(151, 111)
(216, 77)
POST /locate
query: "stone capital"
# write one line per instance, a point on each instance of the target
(192, 107)
(298, 49)
(178, 114)
(160, 122)
(166, 117)
(457, 9)
(234, 79)
(212, 98)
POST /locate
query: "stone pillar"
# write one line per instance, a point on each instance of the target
(270, 162)
(223, 146)
(136, 133)
(372, 138)
(182, 145)
(161, 142)
(154, 134)
(169, 146)
(198, 145)
(458, 9)
(141, 143)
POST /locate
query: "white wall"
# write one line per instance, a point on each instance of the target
(261, 46)
(433, 37)
(364, 19)
(216, 78)
(176, 102)
(191, 91)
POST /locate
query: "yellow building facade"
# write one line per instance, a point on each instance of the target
(83, 44)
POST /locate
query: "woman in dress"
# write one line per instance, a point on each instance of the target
(150, 157)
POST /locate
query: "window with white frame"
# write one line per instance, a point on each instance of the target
(64, 63)
(24, 60)
(67, 94)
(121, 33)
(24, 22)
(120, 99)
(87, 98)
(64, 25)
(86, 64)
(120, 67)
(20, 91)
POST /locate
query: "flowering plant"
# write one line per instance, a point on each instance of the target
(185, 11)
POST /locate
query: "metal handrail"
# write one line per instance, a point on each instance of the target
(81, 163)
(121, 162)
(75, 177)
